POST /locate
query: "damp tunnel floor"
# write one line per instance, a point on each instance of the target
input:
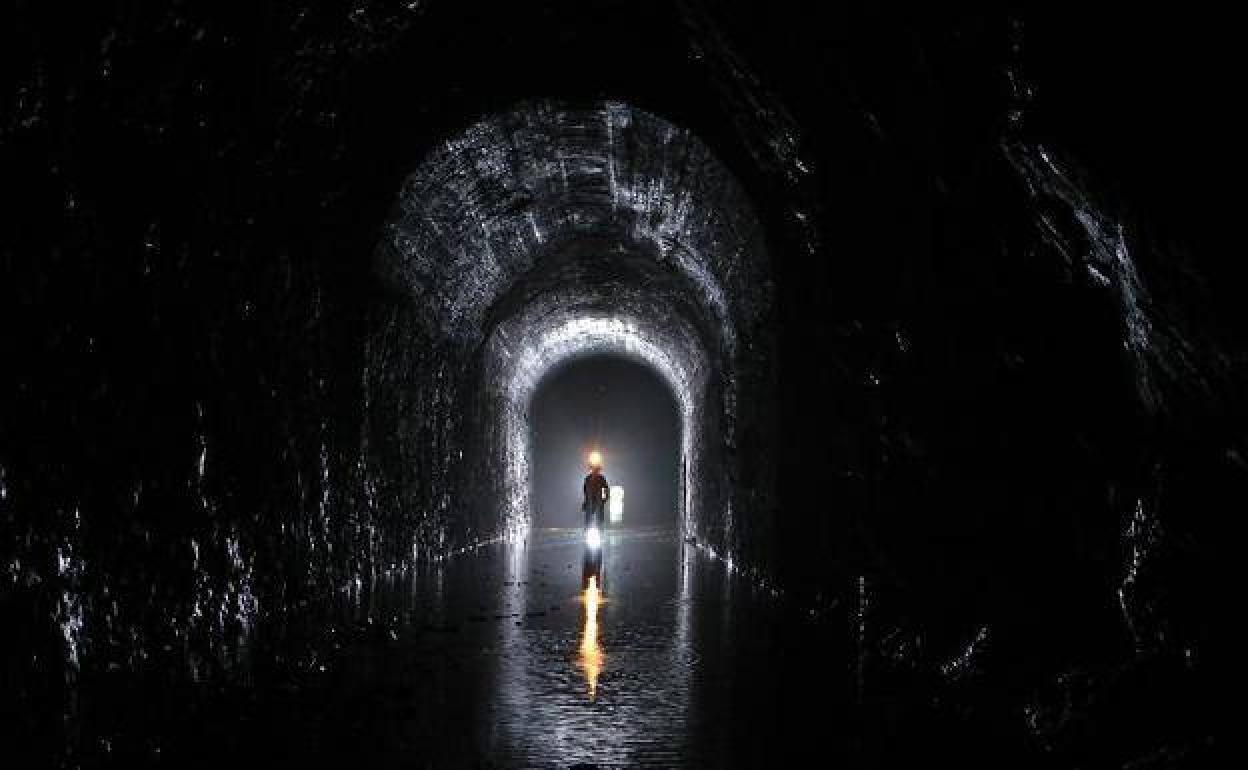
(494, 658)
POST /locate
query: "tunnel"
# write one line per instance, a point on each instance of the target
(551, 232)
(912, 342)
(614, 404)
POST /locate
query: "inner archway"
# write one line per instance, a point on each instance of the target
(554, 231)
(626, 409)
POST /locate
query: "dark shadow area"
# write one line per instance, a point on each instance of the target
(624, 409)
(1000, 315)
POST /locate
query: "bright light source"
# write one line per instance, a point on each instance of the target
(593, 537)
(595, 459)
(592, 657)
(617, 504)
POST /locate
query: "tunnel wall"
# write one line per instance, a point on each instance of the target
(1018, 387)
(548, 213)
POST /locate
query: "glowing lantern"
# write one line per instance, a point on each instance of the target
(617, 504)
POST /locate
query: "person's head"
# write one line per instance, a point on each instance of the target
(595, 461)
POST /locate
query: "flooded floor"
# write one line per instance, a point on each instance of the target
(497, 658)
(675, 662)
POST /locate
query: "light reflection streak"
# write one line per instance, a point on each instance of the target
(591, 654)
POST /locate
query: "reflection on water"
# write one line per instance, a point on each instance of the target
(509, 667)
(496, 658)
(592, 656)
(552, 698)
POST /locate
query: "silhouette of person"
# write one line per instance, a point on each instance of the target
(597, 491)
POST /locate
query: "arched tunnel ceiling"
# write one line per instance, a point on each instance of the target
(589, 293)
(515, 191)
(560, 327)
(556, 230)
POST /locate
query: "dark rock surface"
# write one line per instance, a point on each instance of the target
(945, 302)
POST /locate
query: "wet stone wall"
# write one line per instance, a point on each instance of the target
(958, 278)
(555, 230)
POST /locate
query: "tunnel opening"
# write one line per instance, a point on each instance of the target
(547, 234)
(622, 408)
